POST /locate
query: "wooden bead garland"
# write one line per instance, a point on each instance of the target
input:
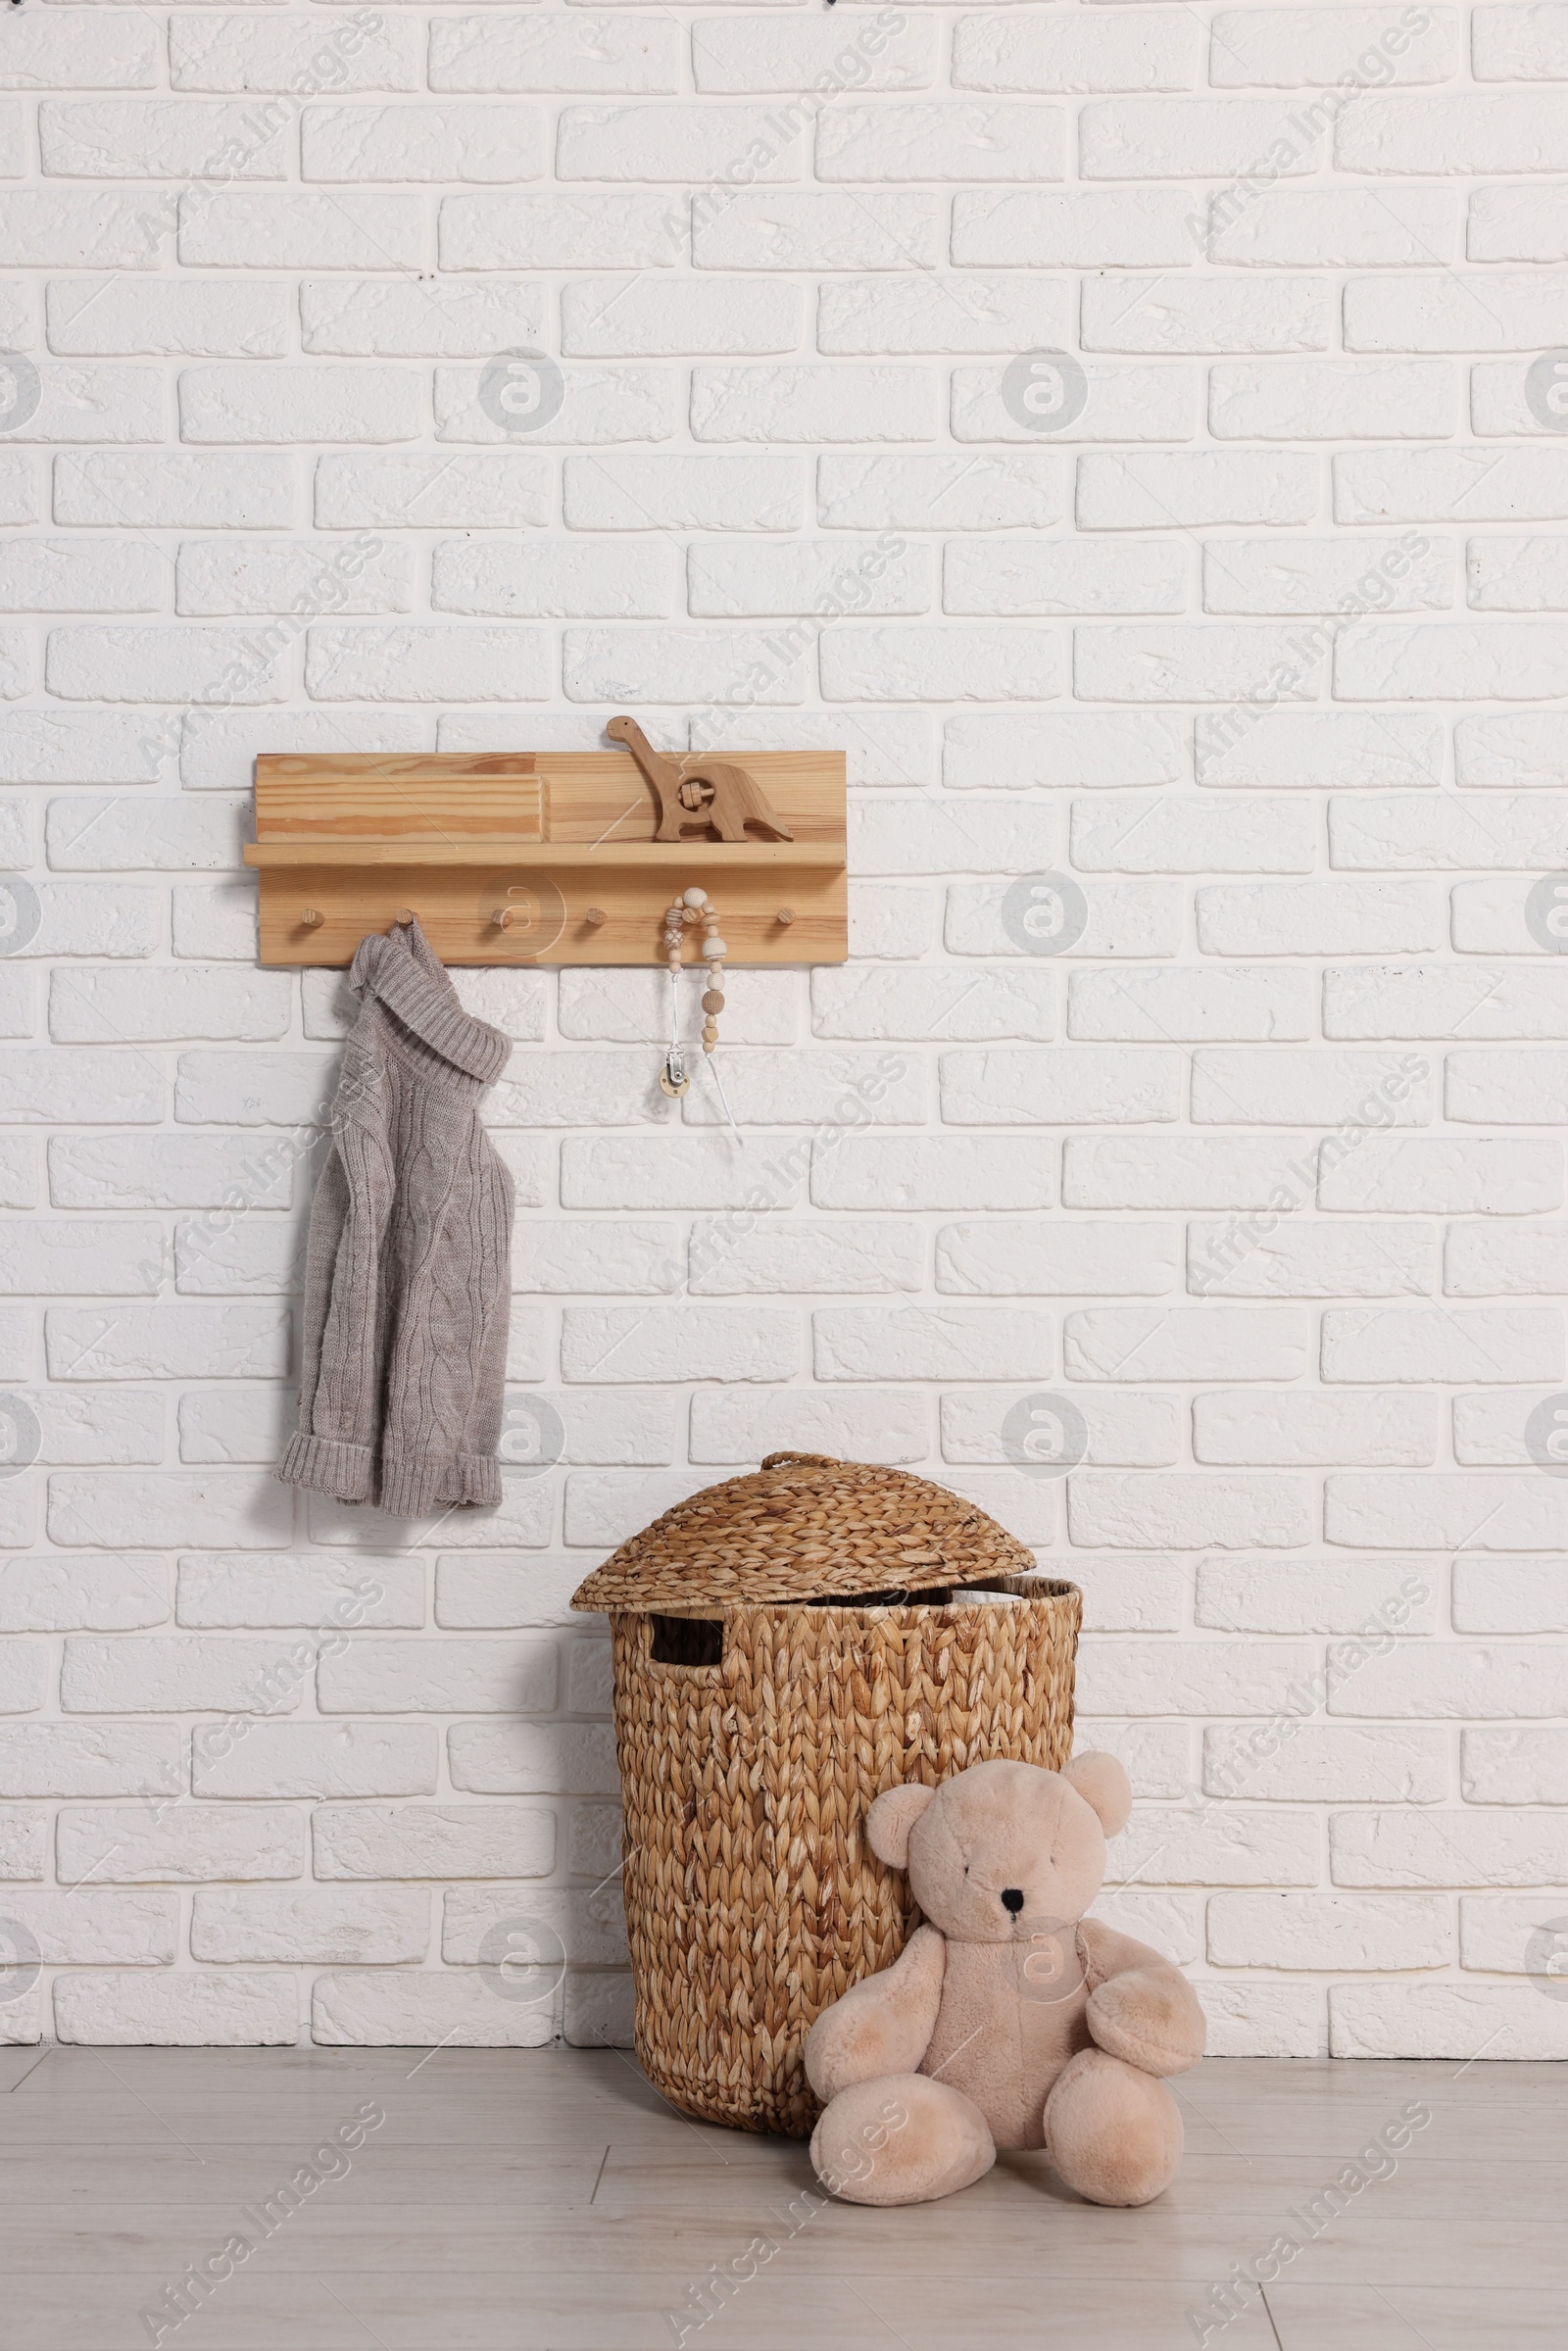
(683, 914)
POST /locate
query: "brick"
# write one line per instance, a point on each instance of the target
(1299, 748)
(733, 1427)
(1336, 229)
(1305, 1431)
(704, 317)
(283, 53)
(429, 1840)
(71, 1257)
(1529, 1089)
(301, 404)
(812, 404)
(1478, 132)
(1078, 747)
(1105, 228)
(48, 1086)
(939, 313)
(1188, 1511)
(998, 1259)
(1328, 1931)
(1479, 1261)
(614, 1343)
(1186, 314)
(782, 1254)
(1437, 1512)
(224, 2009)
(1374, 1597)
(1318, 917)
(167, 1507)
(1446, 1848)
(1061, 577)
(1314, 1088)
(1510, 1595)
(93, 1759)
(814, 229)
(1196, 1677)
(167, 317)
(1007, 491)
(174, 491)
(734, 55)
(1184, 1343)
(1336, 1763)
(1443, 1000)
(702, 493)
(933, 1342)
(425, 665)
(1138, 49)
(1188, 487)
(63, 53)
(1446, 1177)
(1337, 399)
(955, 1172)
(1513, 1767)
(1236, 1000)
(369, 1927)
(1121, 1430)
(373, 1674)
(365, 318)
(185, 1844)
(1062, 1088)
(1190, 139)
(968, 142)
(1517, 223)
(317, 1759)
(359, 2009)
(76, 575)
(1469, 485)
(494, 53)
(258, 230)
(1292, 47)
(682, 664)
(1305, 574)
(1502, 313)
(719, 144)
(1183, 1845)
(158, 138)
(82, 229)
(447, 492)
(1257, 1257)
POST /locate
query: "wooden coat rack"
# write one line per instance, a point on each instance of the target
(550, 856)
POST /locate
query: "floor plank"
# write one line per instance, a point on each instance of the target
(550, 2201)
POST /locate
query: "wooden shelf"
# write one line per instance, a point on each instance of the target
(578, 857)
(563, 839)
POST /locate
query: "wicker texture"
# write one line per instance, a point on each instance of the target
(803, 1527)
(752, 1898)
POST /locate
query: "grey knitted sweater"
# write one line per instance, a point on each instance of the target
(407, 1270)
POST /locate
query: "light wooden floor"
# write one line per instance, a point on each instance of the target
(548, 2201)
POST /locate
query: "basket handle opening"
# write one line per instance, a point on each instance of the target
(689, 1640)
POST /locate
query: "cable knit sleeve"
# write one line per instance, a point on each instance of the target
(334, 1449)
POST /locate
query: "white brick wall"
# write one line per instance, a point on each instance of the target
(1256, 1172)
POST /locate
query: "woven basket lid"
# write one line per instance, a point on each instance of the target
(804, 1526)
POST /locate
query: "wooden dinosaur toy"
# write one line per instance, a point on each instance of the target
(697, 792)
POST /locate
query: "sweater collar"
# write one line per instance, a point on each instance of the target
(403, 971)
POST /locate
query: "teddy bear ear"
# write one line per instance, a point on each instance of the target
(1101, 1781)
(890, 1820)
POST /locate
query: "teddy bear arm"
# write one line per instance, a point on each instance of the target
(882, 2025)
(1140, 2008)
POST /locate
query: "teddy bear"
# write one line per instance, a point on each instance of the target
(1009, 2019)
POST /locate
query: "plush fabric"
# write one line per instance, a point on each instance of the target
(1007, 2005)
(407, 1269)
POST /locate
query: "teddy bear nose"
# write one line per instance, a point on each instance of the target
(1012, 1899)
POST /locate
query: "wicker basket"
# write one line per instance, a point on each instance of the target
(786, 1645)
